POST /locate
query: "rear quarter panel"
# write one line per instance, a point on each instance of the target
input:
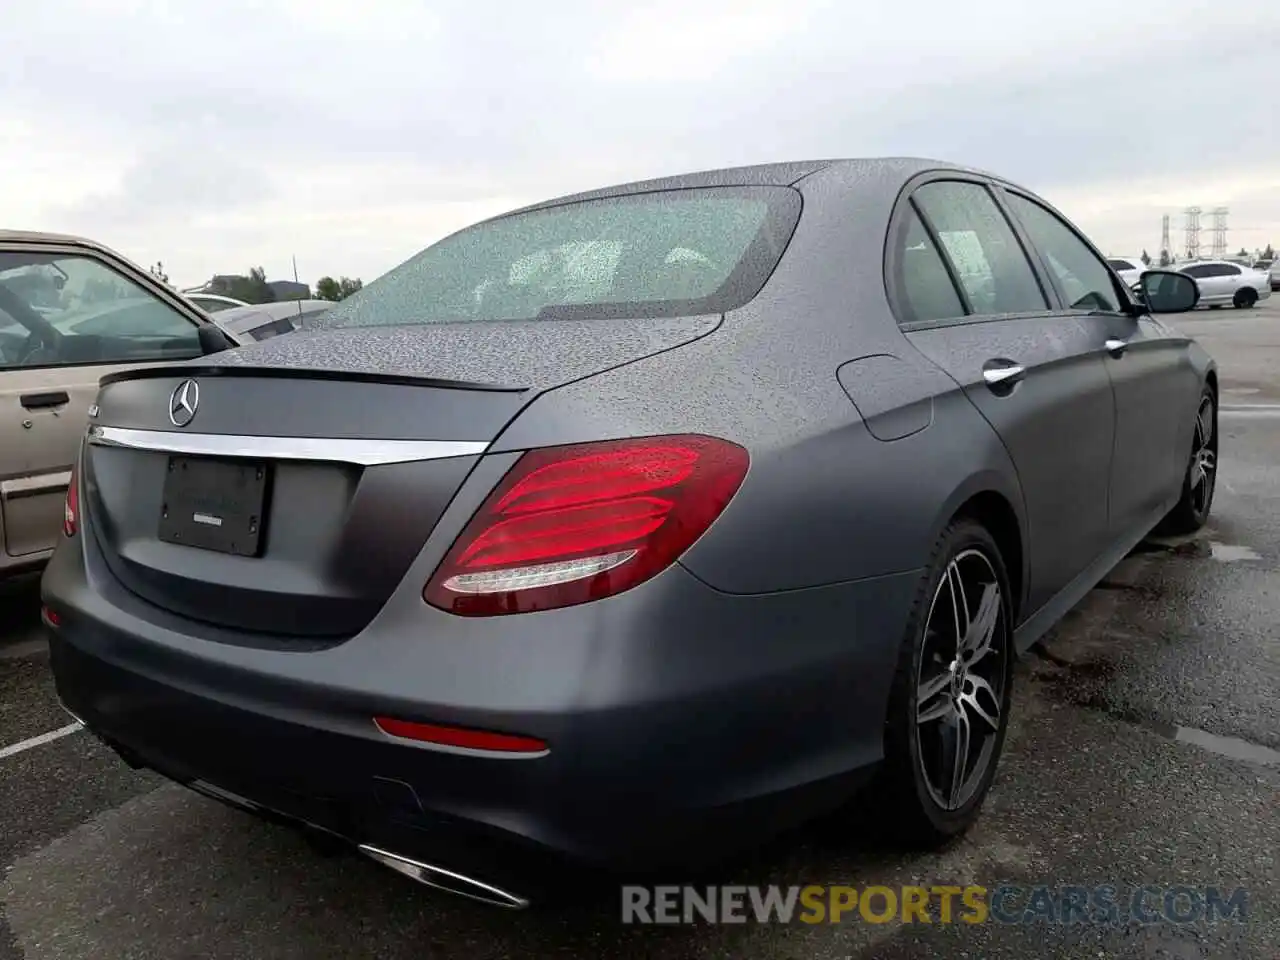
(824, 501)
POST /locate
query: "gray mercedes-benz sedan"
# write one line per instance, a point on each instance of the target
(631, 527)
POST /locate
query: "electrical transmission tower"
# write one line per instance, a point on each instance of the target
(1193, 232)
(1166, 247)
(1219, 230)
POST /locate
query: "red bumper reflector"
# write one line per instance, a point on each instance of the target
(459, 737)
(50, 617)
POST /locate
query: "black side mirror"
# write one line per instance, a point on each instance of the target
(1167, 291)
(213, 339)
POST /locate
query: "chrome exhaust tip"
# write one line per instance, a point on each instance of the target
(447, 880)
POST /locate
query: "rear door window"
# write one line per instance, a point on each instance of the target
(982, 248)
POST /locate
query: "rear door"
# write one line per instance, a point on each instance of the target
(1233, 279)
(90, 318)
(1209, 278)
(1155, 384)
(970, 300)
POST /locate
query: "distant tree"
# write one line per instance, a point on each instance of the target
(157, 271)
(1268, 253)
(1146, 259)
(1164, 258)
(328, 288)
(1243, 253)
(262, 292)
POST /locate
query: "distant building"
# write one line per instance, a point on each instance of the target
(289, 290)
(229, 284)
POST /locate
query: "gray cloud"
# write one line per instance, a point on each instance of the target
(224, 104)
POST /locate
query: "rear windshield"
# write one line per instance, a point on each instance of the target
(668, 253)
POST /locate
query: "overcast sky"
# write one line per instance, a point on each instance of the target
(224, 134)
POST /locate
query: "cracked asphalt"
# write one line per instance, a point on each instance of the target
(1144, 748)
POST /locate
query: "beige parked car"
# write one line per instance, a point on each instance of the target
(71, 312)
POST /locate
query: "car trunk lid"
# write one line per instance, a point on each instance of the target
(293, 486)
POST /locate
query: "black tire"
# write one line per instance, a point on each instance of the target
(1193, 507)
(901, 792)
(1245, 298)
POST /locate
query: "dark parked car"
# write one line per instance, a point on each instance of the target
(630, 527)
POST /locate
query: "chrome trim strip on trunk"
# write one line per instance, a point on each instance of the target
(361, 452)
(20, 487)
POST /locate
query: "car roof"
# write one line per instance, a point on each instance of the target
(38, 236)
(215, 296)
(765, 175)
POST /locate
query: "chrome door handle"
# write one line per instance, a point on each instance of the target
(1116, 347)
(998, 375)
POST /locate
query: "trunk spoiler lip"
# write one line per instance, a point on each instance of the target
(304, 373)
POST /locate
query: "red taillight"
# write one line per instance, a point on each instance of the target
(71, 508)
(578, 523)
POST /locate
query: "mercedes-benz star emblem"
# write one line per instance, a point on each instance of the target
(183, 403)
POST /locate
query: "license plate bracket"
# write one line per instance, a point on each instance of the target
(217, 505)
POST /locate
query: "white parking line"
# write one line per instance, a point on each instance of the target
(40, 740)
(1250, 410)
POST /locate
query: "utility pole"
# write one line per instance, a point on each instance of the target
(1219, 230)
(1166, 247)
(1193, 232)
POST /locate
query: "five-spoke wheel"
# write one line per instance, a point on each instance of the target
(950, 701)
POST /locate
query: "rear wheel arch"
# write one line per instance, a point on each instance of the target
(994, 512)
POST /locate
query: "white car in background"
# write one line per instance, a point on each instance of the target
(260, 321)
(1223, 282)
(1129, 268)
(213, 302)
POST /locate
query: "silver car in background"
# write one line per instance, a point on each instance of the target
(1222, 282)
(261, 321)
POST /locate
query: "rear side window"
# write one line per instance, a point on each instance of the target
(667, 253)
(985, 253)
(1083, 278)
(927, 289)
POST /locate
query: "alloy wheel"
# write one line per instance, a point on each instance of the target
(960, 684)
(1204, 458)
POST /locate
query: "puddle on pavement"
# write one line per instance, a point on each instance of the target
(1228, 746)
(1080, 685)
(1229, 553)
(1198, 549)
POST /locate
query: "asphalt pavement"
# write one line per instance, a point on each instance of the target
(1144, 748)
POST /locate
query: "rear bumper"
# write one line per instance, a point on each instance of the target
(683, 723)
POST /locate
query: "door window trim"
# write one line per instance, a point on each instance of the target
(903, 206)
(132, 273)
